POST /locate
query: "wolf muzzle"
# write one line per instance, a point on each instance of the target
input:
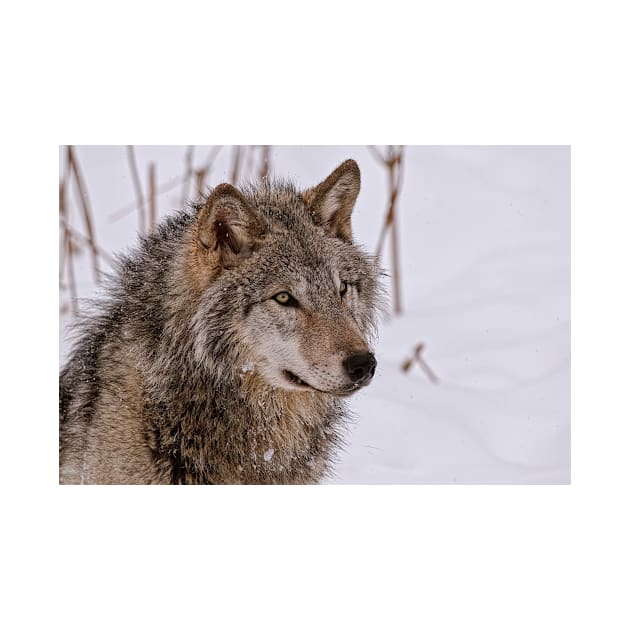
(360, 367)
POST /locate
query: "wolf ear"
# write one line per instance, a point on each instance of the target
(331, 202)
(227, 225)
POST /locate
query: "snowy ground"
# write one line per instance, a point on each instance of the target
(485, 242)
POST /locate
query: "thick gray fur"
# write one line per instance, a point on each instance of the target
(177, 376)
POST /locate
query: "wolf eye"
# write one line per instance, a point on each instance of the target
(343, 288)
(286, 299)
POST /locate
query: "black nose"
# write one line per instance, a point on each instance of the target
(360, 366)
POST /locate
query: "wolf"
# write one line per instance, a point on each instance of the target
(226, 344)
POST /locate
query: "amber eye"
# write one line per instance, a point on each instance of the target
(343, 288)
(286, 299)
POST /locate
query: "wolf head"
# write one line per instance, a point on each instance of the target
(286, 293)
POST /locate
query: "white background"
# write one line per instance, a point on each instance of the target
(346, 556)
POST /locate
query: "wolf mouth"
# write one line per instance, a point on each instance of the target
(294, 379)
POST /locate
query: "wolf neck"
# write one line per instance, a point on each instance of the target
(246, 431)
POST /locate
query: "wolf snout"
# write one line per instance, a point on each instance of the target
(360, 367)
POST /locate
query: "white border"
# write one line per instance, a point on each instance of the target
(448, 557)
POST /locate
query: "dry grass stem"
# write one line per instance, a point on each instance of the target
(62, 214)
(421, 362)
(188, 173)
(393, 163)
(135, 178)
(67, 250)
(200, 181)
(236, 163)
(87, 211)
(152, 198)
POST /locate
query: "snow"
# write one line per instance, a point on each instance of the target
(485, 252)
